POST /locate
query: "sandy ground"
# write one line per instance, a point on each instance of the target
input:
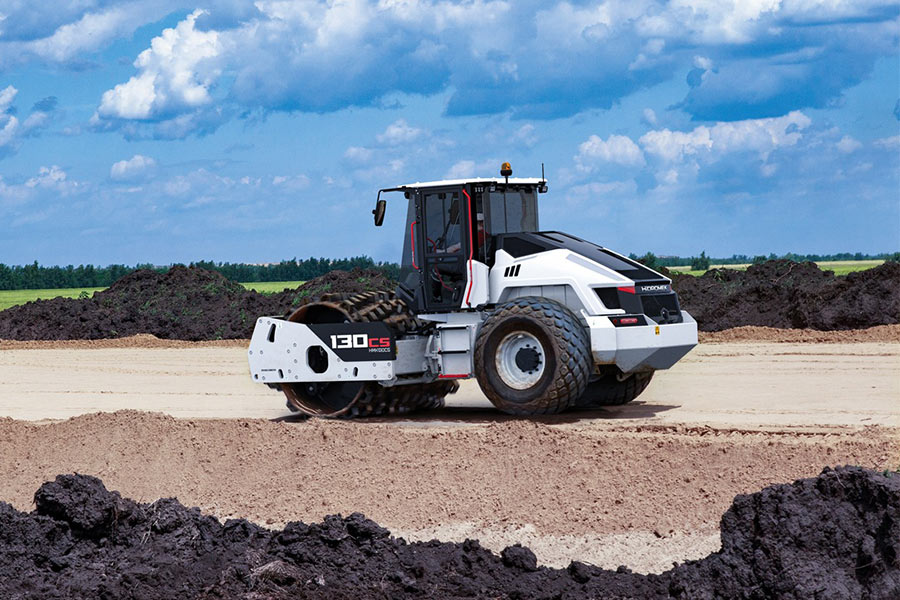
(730, 384)
(640, 485)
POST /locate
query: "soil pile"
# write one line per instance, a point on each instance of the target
(338, 282)
(785, 294)
(757, 334)
(834, 536)
(185, 303)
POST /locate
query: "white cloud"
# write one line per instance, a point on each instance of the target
(595, 194)
(64, 32)
(462, 169)
(672, 146)
(889, 143)
(177, 186)
(649, 55)
(703, 62)
(12, 130)
(7, 95)
(133, 168)
(525, 135)
(617, 149)
(50, 184)
(86, 34)
(669, 177)
(294, 182)
(710, 21)
(8, 133)
(52, 178)
(752, 135)
(848, 144)
(490, 56)
(36, 120)
(399, 132)
(358, 154)
(175, 74)
(565, 24)
(9, 124)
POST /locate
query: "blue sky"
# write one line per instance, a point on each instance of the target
(160, 131)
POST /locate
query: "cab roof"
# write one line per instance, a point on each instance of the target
(452, 182)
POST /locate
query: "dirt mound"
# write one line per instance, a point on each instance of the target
(754, 333)
(785, 294)
(185, 303)
(341, 282)
(140, 340)
(834, 536)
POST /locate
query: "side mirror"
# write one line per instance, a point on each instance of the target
(380, 207)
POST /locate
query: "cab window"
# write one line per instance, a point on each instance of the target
(443, 232)
(512, 211)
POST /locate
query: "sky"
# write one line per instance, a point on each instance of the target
(160, 131)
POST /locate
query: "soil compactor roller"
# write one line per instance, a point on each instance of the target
(543, 320)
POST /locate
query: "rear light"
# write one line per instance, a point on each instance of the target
(627, 289)
(625, 321)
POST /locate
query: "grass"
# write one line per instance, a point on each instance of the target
(9, 298)
(272, 287)
(15, 297)
(840, 267)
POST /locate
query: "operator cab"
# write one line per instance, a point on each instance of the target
(451, 233)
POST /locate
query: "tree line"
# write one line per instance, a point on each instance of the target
(703, 262)
(36, 276)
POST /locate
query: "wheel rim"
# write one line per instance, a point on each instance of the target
(520, 360)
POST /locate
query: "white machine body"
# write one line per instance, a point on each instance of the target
(471, 246)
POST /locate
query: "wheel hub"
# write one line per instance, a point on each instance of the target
(528, 359)
(520, 360)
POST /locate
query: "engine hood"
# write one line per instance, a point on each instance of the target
(524, 244)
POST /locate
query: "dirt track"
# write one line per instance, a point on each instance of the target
(744, 384)
(641, 485)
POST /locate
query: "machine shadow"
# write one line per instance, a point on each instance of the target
(486, 415)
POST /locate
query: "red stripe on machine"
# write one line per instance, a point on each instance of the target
(412, 234)
(471, 248)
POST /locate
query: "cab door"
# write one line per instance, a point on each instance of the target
(445, 227)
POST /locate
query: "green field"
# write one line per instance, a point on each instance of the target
(10, 298)
(14, 297)
(840, 267)
(272, 287)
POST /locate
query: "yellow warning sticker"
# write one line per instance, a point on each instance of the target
(657, 330)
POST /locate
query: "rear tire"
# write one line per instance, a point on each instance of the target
(532, 357)
(612, 389)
